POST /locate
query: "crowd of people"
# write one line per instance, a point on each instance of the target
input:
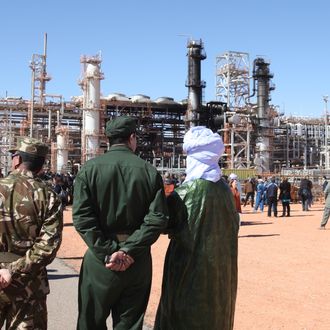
(261, 192)
(121, 205)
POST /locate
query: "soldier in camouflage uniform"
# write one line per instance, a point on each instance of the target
(31, 224)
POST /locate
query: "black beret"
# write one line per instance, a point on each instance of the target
(122, 126)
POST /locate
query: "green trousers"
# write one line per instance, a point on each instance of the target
(123, 294)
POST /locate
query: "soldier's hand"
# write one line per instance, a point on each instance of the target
(119, 261)
(5, 278)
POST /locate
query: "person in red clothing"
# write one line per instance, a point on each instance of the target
(168, 184)
(237, 196)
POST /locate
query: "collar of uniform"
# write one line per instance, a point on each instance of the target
(23, 172)
(120, 147)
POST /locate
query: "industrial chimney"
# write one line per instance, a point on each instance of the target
(195, 86)
(262, 76)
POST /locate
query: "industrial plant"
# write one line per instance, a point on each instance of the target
(257, 136)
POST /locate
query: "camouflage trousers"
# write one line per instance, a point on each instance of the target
(23, 315)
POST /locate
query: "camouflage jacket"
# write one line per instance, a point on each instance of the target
(31, 223)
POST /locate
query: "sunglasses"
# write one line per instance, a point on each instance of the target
(14, 155)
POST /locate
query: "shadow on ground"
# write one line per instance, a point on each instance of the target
(266, 235)
(61, 276)
(254, 223)
(70, 258)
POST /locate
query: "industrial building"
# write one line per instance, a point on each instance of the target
(256, 135)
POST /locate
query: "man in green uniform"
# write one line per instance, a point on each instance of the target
(119, 209)
(31, 223)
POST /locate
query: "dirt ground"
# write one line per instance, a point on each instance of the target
(284, 270)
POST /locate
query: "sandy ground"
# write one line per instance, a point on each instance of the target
(284, 270)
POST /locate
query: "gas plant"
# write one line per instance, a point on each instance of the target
(256, 135)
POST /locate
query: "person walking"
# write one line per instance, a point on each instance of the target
(31, 224)
(260, 198)
(119, 209)
(249, 189)
(285, 197)
(326, 212)
(200, 272)
(325, 183)
(271, 194)
(305, 192)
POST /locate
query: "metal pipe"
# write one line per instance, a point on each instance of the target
(326, 149)
(232, 150)
(45, 45)
(32, 102)
(49, 124)
(248, 161)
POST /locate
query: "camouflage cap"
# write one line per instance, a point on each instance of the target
(121, 126)
(30, 146)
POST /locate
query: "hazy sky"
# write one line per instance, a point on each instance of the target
(143, 45)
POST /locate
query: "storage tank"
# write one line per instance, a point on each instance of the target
(140, 98)
(117, 97)
(165, 100)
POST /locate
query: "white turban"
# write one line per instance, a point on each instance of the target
(233, 176)
(203, 148)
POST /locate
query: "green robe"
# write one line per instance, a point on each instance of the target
(200, 272)
(117, 193)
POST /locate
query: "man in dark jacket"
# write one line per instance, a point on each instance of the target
(271, 194)
(119, 209)
(305, 193)
(285, 197)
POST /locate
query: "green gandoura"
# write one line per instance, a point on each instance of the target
(200, 273)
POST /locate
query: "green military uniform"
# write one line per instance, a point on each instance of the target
(119, 203)
(200, 271)
(30, 234)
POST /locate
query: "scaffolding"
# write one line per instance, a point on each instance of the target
(232, 87)
(38, 66)
(232, 79)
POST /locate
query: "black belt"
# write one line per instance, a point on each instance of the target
(8, 257)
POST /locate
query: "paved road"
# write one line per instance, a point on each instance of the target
(63, 298)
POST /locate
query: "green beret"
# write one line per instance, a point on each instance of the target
(30, 146)
(122, 126)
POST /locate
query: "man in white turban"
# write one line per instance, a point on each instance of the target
(200, 273)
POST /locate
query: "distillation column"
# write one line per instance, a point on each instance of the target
(62, 150)
(262, 75)
(90, 84)
(195, 86)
